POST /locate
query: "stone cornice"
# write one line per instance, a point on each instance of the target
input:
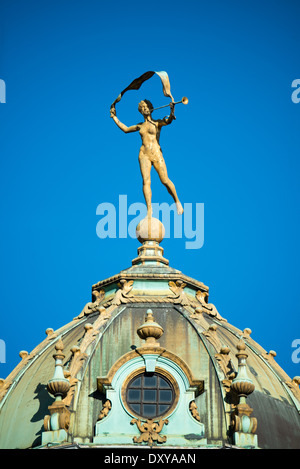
(151, 276)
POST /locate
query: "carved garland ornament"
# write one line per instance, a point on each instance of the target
(179, 296)
(150, 431)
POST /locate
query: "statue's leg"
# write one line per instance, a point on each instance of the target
(161, 169)
(145, 166)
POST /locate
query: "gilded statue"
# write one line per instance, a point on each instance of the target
(150, 152)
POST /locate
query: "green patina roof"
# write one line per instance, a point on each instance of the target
(106, 331)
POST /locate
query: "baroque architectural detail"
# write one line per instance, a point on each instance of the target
(208, 308)
(179, 296)
(246, 333)
(58, 386)
(123, 293)
(26, 357)
(150, 431)
(105, 410)
(294, 386)
(62, 414)
(194, 411)
(79, 354)
(92, 306)
(50, 333)
(225, 363)
(77, 360)
(149, 276)
(150, 331)
(212, 336)
(244, 426)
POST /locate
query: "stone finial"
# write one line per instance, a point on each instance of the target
(150, 229)
(150, 331)
(23, 354)
(58, 386)
(150, 232)
(246, 333)
(50, 333)
(57, 423)
(294, 386)
(242, 384)
(244, 426)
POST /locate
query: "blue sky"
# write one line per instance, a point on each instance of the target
(235, 148)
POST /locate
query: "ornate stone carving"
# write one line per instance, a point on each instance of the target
(212, 336)
(225, 363)
(4, 386)
(194, 411)
(294, 386)
(50, 333)
(246, 333)
(23, 354)
(25, 359)
(58, 386)
(77, 360)
(61, 415)
(179, 296)
(123, 293)
(241, 420)
(92, 306)
(208, 308)
(105, 410)
(243, 426)
(150, 331)
(79, 354)
(150, 431)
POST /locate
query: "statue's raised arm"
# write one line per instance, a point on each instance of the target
(132, 128)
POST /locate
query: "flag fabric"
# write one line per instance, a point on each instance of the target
(137, 83)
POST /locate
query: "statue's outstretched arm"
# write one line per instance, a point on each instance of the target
(132, 128)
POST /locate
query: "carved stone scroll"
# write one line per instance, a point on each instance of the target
(225, 363)
(79, 354)
(92, 306)
(123, 293)
(208, 308)
(179, 296)
(150, 431)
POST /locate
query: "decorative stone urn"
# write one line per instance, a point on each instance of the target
(150, 331)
